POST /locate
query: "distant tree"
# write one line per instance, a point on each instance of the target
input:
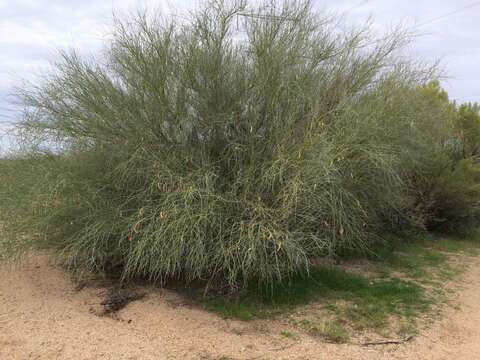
(438, 97)
(443, 113)
(434, 90)
(468, 125)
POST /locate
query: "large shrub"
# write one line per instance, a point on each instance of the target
(238, 144)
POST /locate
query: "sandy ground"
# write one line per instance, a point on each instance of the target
(42, 316)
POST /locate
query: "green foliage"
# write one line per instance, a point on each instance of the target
(233, 147)
(468, 126)
(446, 182)
(452, 201)
(443, 178)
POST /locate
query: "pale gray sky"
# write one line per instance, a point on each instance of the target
(31, 30)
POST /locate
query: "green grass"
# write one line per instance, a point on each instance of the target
(413, 260)
(331, 331)
(289, 335)
(468, 245)
(371, 301)
(426, 259)
(409, 280)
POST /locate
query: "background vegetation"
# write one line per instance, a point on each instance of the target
(236, 146)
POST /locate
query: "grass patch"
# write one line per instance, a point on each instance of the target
(331, 331)
(413, 260)
(409, 279)
(228, 308)
(468, 246)
(426, 260)
(289, 335)
(369, 301)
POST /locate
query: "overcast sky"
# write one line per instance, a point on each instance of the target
(31, 30)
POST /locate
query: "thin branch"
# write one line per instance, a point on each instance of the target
(388, 342)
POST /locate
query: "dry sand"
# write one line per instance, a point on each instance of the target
(42, 316)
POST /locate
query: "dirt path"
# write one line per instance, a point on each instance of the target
(43, 317)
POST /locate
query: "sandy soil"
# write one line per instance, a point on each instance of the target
(42, 316)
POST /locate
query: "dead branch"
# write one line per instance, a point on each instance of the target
(388, 342)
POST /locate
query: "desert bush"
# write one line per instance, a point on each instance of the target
(236, 145)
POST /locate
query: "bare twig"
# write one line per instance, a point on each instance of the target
(388, 342)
